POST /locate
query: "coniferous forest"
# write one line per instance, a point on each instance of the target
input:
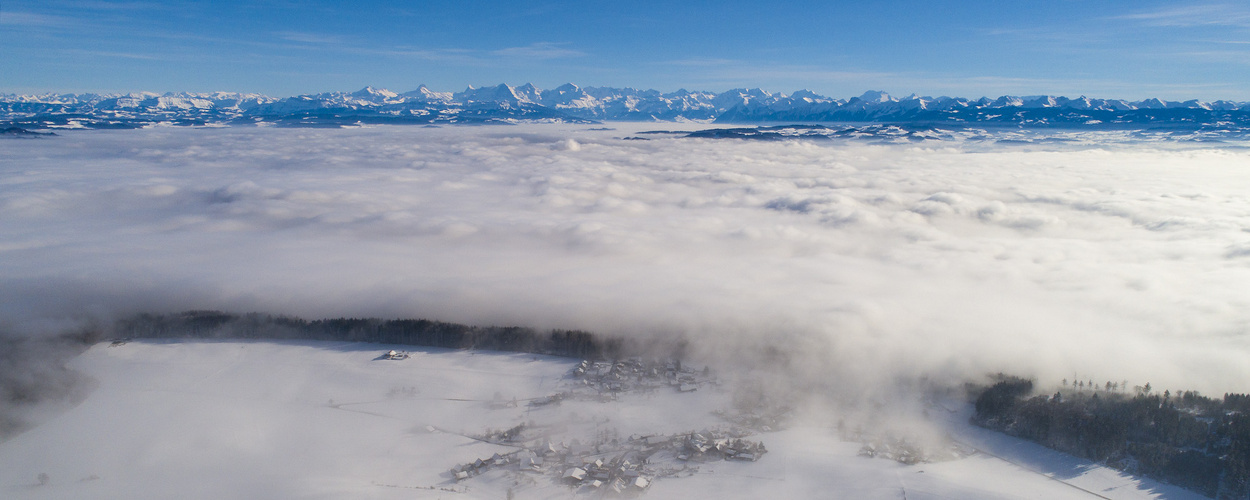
(415, 332)
(1187, 439)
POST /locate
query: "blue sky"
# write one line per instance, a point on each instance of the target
(970, 48)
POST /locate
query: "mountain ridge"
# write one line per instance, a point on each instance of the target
(503, 103)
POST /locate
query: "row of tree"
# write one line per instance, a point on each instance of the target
(1109, 386)
(416, 332)
(1190, 440)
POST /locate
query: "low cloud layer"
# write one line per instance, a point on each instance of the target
(1116, 263)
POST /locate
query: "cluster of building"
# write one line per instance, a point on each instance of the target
(638, 374)
(394, 355)
(618, 476)
(910, 451)
(604, 380)
(617, 466)
(523, 459)
(619, 469)
(707, 446)
(612, 465)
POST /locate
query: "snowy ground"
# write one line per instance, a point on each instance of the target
(328, 420)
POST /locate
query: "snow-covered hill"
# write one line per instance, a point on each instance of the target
(570, 103)
(276, 420)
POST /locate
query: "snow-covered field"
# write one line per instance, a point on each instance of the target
(269, 420)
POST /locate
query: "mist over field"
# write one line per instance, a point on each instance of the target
(854, 262)
(485, 250)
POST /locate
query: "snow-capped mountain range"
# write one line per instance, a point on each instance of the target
(570, 103)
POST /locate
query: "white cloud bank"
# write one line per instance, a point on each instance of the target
(1107, 263)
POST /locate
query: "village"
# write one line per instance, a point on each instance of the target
(608, 463)
(617, 466)
(626, 466)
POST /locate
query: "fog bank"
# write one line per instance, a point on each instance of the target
(881, 262)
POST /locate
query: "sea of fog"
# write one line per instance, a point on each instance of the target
(846, 261)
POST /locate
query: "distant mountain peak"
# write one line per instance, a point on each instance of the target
(805, 94)
(569, 102)
(374, 92)
(875, 96)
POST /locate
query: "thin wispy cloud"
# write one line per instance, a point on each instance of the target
(121, 55)
(462, 45)
(34, 20)
(106, 6)
(454, 55)
(539, 50)
(701, 61)
(721, 74)
(466, 56)
(444, 55)
(309, 38)
(1195, 15)
(1046, 34)
(1222, 56)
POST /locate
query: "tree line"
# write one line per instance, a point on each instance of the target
(415, 332)
(1187, 439)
